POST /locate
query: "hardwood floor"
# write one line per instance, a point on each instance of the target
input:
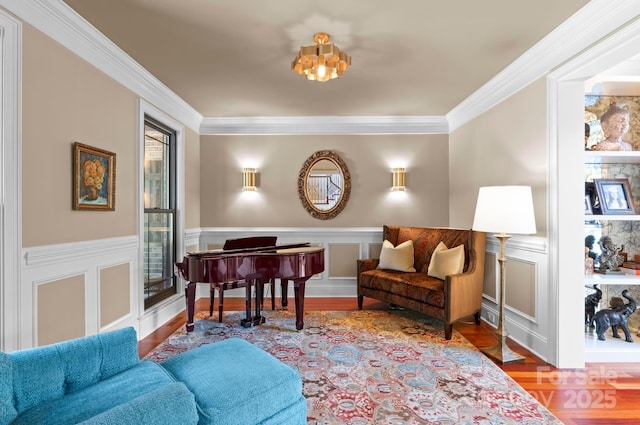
(600, 394)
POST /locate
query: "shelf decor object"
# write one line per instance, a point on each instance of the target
(504, 210)
(615, 196)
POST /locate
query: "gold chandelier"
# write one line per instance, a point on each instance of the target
(321, 62)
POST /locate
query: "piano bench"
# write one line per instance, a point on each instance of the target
(235, 382)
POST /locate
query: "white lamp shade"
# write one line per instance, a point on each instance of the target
(505, 209)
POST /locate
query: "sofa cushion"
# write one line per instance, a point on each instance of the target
(398, 258)
(7, 409)
(417, 286)
(171, 404)
(100, 397)
(237, 383)
(46, 373)
(446, 261)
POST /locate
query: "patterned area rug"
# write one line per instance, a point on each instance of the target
(378, 367)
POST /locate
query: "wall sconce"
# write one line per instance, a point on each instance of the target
(249, 179)
(399, 177)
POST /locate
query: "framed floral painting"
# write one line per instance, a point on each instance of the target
(94, 178)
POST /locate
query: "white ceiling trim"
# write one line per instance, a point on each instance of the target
(593, 22)
(590, 24)
(325, 125)
(57, 20)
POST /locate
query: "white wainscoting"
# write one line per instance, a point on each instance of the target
(41, 265)
(47, 264)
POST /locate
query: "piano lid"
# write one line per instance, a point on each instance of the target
(250, 242)
(223, 252)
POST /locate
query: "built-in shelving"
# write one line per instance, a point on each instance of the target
(611, 157)
(611, 279)
(602, 217)
(612, 349)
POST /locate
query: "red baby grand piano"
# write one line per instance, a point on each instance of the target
(254, 260)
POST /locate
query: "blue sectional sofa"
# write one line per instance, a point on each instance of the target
(101, 380)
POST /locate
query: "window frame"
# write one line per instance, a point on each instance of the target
(167, 308)
(171, 209)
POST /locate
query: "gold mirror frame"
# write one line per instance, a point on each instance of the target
(302, 184)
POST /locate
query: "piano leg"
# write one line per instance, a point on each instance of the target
(259, 295)
(247, 302)
(250, 320)
(190, 298)
(284, 287)
(298, 289)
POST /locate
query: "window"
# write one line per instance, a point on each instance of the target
(159, 212)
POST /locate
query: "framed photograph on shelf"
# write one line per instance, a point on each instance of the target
(615, 196)
(588, 210)
(94, 178)
(591, 197)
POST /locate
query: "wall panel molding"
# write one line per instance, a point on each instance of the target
(51, 263)
(52, 254)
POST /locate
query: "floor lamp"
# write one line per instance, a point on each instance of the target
(504, 210)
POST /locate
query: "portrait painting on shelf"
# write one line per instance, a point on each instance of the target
(612, 123)
(615, 196)
(94, 175)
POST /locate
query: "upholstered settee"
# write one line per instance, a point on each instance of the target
(101, 380)
(443, 279)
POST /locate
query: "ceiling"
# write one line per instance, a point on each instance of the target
(409, 57)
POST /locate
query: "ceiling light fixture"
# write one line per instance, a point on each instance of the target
(323, 61)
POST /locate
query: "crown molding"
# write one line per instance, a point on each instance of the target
(58, 21)
(63, 24)
(595, 21)
(325, 125)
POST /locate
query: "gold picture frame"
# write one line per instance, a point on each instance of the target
(94, 178)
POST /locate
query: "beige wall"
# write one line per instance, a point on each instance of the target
(115, 294)
(520, 292)
(66, 100)
(59, 324)
(278, 160)
(342, 260)
(506, 145)
(192, 179)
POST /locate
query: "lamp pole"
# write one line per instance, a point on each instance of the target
(501, 352)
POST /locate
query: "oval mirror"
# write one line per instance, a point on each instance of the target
(324, 184)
